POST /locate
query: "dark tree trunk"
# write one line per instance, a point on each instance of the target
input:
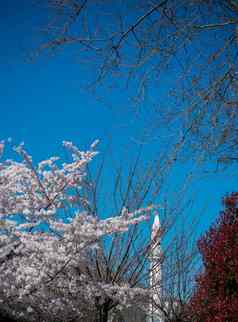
(103, 312)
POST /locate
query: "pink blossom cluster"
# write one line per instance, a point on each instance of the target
(43, 271)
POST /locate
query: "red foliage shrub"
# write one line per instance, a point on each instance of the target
(216, 295)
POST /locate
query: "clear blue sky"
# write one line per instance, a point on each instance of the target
(43, 103)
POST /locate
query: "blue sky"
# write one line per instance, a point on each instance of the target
(44, 102)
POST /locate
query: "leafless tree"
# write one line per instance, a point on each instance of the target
(126, 258)
(143, 42)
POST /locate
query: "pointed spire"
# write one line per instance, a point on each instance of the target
(156, 227)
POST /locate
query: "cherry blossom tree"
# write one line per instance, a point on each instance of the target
(48, 236)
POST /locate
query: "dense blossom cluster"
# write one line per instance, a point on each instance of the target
(216, 297)
(44, 253)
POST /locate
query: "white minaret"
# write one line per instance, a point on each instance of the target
(156, 272)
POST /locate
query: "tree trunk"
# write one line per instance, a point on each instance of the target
(102, 313)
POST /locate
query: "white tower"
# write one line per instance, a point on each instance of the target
(155, 314)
